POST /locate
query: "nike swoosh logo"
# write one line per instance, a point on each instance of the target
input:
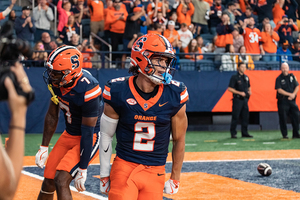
(161, 105)
(106, 149)
(171, 189)
(160, 174)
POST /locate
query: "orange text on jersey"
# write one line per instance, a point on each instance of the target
(145, 118)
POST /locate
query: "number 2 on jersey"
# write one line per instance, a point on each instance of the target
(139, 135)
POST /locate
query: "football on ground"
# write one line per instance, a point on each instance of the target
(264, 169)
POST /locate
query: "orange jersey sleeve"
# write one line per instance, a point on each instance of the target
(278, 12)
(97, 11)
(1, 16)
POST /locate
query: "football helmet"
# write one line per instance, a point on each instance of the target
(152, 46)
(64, 65)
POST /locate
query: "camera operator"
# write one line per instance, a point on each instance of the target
(11, 160)
(284, 29)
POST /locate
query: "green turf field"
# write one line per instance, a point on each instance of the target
(203, 141)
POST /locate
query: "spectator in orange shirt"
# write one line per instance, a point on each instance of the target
(269, 39)
(185, 12)
(277, 11)
(97, 15)
(193, 48)
(87, 53)
(171, 34)
(7, 10)
(116, 18)
(155, 6)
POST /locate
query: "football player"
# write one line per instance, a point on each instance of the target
(143, 109)
(77, 93)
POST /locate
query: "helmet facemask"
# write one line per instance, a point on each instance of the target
(151, 68)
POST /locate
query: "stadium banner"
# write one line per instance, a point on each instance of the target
(207, 92)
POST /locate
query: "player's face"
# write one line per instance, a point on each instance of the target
(55, 77)
(160, 64)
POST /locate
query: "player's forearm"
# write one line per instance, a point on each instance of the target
(86, 144)
(49, 129)
(177, 158)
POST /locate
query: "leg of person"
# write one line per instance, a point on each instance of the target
(294, 116)
(237, 105)
(121, 185)
(282, 107)
(56, 155)
(273, 57)
(94, 27)
(152, 181)
(69, 165)
(266, 57)
(245, 119)
(204, 29)
(114, 44)
(62, 184)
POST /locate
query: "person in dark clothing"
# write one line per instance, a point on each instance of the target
(215, 16)
(263, 9)
(290, 8)
(295, 50)
(24, 26)
(239, 85)
(284, 29)
(287, 88)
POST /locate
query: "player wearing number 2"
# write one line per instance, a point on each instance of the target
(143, 109)
(252, 37)
(77, 93)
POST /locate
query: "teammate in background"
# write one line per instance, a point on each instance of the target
(287, 88)
(11, 158)
(77, 93)
(7, 10)
(142, 110)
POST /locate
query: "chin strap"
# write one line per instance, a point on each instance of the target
(54, 97)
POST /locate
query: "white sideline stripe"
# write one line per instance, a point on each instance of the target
(71, 187)
(268, 142)
(229, 144)
(190, 144)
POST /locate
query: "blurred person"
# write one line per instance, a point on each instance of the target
(64, 11)
(39, 53)
(263, 10)
(154, 7)
(12, 16)
(287, 88)
(283, 52)
(252, 37)
(156, 106)
(238, 40)
(171, 34)
(156, 29)
(133, 26)
(246, 15)
(243, 58)
(201, 16)
(11, 158)
(43, 16)
(159, 19)
(278, 11)
(116, 18)
(97, 16)
(88, 51)
(77, 93)
(70, 28)
(269, 39)
(295, 50)
(215, 15)
(224, 35)
(195, 49)
(74, 40)
(185, 12)
(285, 28)
(174, 18)
(76, 8)
(262, 25)
(185, 35)
(228, 59)
(46, 39)
(24, 26)
(230, 12)
(239, 86)
(7, 11)
(290, 8)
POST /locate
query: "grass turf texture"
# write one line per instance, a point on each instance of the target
(200, 142)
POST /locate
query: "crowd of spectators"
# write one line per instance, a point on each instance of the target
(259, 28)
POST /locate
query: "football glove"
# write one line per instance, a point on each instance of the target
(41, 156)
(171, 186)
(104, 185)
(80, 179)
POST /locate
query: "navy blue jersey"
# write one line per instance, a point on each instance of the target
(79, 101)
(144, 126)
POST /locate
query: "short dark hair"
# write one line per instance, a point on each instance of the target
(241, 63)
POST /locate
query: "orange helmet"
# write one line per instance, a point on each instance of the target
(64, 65)
(153, 45)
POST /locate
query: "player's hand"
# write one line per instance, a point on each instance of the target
(171, 186)
(80, 179)
(104, 185)
(41, 156)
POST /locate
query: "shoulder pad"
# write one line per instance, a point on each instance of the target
(114, 85)
(181, 89)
